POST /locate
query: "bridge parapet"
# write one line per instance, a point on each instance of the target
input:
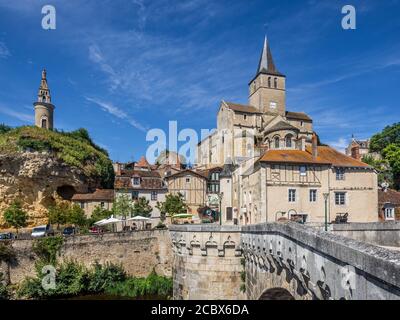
(312, 264)
(206, 262)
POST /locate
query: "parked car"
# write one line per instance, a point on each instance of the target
(42, 231)
(96, 230)
(68, 231)
(7, 236)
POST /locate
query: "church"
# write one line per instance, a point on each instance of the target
(273, 166)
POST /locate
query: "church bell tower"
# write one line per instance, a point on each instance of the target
(268, 87)
(44, 109)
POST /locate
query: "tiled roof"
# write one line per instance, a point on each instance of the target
(281, 125)
(298, 116)
(326, 155)
(98, 195)
(242, 108)
(390, 196)
(337, 158)
(200, 174)
(140, 173)
(142, 162)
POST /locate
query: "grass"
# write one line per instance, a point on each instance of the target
(74, 148)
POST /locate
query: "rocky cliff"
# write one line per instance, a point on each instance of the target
(39, 167)
(38, 180)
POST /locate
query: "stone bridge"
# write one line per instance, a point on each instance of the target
(279, 261)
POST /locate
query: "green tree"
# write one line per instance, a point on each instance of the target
(98, 214)
(76, 216)
(392, 154)
(58, 214)
(142, 207)
(382, 166)
(174, 204)
(15, 216)
(4, 128)
(123, 206)
(389, 135)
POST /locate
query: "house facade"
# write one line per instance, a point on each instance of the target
(102, 198)
(192, 185)
(141, 181)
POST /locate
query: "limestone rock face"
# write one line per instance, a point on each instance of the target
(37, 180)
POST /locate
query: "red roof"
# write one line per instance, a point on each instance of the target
(98, 195)
(142, 162)
(326, 155)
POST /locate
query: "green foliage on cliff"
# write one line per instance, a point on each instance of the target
(4, 293)
(15, 217)
(75, 148)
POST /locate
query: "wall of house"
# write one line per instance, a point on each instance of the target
(194, 190)
(89, 206)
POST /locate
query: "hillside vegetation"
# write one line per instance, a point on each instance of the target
(74, 148)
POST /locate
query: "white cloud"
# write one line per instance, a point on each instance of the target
(117, 112)
(18, 115)
(341, 144)
(4, 52)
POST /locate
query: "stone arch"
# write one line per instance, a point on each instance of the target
(276, 294)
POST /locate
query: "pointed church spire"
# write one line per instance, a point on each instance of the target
(266, 64)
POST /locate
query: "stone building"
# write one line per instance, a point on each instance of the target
(102, 198)
(357, 148)
(44, 109)
(273, 165)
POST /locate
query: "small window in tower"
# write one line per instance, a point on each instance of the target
(44, 98)
(276, 82)
(44, 123)
(272, 105)
(269, 82)
(244, 117)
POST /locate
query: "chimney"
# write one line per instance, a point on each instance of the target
(314, 141)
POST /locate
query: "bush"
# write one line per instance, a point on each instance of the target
(4, 293)
(48, 248)
(73, 279)
(153, 285)
(103, 277)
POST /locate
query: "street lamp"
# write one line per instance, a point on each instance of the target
(220, 196)
(326, 196)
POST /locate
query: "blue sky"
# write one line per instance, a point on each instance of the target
(119, 68)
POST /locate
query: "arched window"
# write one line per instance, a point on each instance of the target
(276, 143)
(269, 82)
(276, 82)
(44, 123)
(288, 141)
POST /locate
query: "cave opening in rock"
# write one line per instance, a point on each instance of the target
(66, 192)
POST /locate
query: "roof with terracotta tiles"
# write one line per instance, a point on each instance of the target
(201, 174)
(297, 116)
(389, 196)
(326, 156)
(142, 162)
(98, 195)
